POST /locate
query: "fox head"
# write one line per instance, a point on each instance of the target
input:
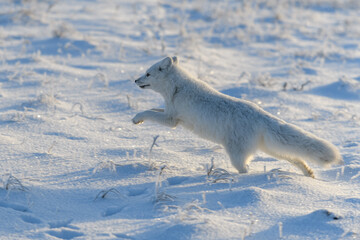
(155, 77)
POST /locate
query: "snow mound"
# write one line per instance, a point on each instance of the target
(344, 88)
(318, 222)
(73, 165)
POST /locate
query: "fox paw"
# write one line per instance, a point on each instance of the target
(138, 119)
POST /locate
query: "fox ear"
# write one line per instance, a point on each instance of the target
(175, 60)
(167, 62)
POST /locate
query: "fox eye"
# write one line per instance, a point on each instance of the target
(160, 69)
(148, 74)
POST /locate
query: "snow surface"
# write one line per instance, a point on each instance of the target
(73, 166)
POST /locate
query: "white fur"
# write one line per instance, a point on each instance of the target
(240, 126)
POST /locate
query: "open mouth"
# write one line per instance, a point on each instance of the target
(146, 85)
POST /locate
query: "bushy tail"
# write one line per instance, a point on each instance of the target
(292, 143)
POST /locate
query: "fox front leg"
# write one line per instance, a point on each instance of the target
(156, 116)
(139, 118)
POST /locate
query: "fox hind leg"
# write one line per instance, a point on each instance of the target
(299, 163)
(241, 157)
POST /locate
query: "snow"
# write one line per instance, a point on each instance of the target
(73, 166)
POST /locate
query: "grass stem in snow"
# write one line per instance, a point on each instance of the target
(102, 194)
(13, 183)
(280, 224)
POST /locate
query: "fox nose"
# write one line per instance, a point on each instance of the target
(137, 80)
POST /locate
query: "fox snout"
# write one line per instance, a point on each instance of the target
(140, 83)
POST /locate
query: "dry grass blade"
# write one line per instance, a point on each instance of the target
(154, 143)
(108, 164)
(102, 194)
(209, 169)
(132, 102)
(161, 196)
(51, 147)
(81, 107)
(301, 88)
(153, 165)
(13, 183)
(218, 174)
(164, 197)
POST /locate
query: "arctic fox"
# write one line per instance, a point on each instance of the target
(240, 126)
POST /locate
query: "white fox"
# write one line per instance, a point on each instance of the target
(240, 126)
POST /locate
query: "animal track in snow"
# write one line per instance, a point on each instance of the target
(176, 180)
(60, 223)
(351, 144)
(122, 236)
(65, 233)
(14, 206)
(30, 219)
(136, 192)
(112, 210)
